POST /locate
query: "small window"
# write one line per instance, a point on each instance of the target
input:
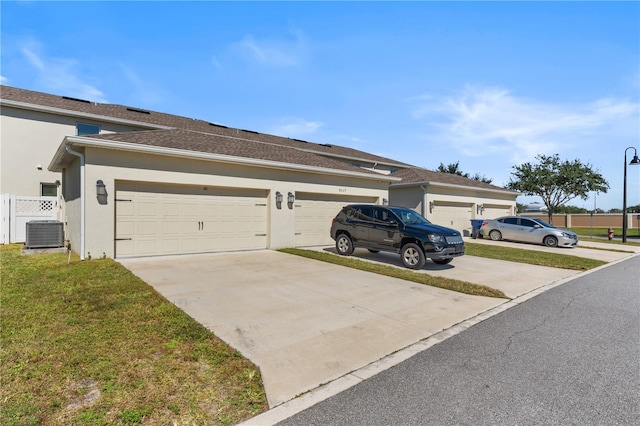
(48, 190)
(511, 220)
(87, 129)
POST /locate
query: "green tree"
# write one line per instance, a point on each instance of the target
(571, 210)
(454, 169)
(555, 181)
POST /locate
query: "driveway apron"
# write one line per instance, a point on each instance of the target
(303, 322)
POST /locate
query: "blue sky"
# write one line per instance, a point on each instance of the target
(487, 84)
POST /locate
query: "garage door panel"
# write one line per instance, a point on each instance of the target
(456, 216)
(147, 208)
(150, 222)
(496, 212)
(314, 213)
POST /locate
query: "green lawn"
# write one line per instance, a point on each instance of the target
(600, 235)
(88, 343)
(401, 273)
(555, 260)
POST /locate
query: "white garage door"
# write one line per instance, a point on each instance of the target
(452, 215)
(493, 212)
(314, 213)
(167, 219)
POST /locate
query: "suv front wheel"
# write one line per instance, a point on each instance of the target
(344, 245)
(412, 256)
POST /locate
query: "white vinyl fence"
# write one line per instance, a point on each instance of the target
(16, 211)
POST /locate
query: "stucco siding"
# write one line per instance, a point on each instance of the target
(113, 166)
(30, 139)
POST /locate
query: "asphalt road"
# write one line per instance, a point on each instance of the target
(570, 356)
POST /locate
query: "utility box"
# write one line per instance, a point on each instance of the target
(44, 234)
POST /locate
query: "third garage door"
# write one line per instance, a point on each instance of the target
(314, 213)
(155, 219)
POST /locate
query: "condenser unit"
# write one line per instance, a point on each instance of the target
(44, 233)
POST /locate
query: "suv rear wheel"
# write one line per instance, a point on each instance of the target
(344, 245)
(412, 256)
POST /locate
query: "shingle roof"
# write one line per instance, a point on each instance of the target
(153, 119)
(418, 175)
(193, 141)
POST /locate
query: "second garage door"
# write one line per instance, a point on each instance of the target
(314, 213)
(153, 219)
(452, 215)
(495, 211)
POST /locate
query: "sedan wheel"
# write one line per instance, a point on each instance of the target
(344, 245)
(550, 241)
(412, 256)
(495, 235)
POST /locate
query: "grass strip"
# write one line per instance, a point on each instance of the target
(532, 257)
(600, 235)
(88, 343)
(403, 274)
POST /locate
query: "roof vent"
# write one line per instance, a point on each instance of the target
(249, 131)
(218, 125)
(44, 233)
(300, 140)
(76, 99)
(327, 145)
(141, 111)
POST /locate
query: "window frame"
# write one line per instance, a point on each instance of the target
(49, 185)
(93, 126)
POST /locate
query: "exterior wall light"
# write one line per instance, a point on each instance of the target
(290, 199)
(385, 202)
(101, 189)
(480, 208)
(101, 192)
(278, 199)
(431, 206)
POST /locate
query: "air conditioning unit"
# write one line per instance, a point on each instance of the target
(44, 234)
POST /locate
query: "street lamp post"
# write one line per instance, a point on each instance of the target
(634, 162)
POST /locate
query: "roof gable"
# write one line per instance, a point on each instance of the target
(179, 140)
(416, 175)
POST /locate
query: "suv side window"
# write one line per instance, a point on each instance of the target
(364, 213)
(382, 215)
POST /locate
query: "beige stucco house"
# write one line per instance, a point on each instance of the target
(133, 182)
(450, 200)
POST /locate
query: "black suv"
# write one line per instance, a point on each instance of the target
(395, 229)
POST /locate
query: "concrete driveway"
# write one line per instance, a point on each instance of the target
(305, 323)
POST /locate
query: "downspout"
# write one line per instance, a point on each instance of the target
(82, 198)
(424, 200)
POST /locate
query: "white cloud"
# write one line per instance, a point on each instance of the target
(3, 79)
(60, 75)
(488, 121)
(273, 53)
(295, 127)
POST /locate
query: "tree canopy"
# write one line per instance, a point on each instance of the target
(454, 169)
(556, 181)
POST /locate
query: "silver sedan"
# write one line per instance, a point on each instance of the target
(527, 230)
